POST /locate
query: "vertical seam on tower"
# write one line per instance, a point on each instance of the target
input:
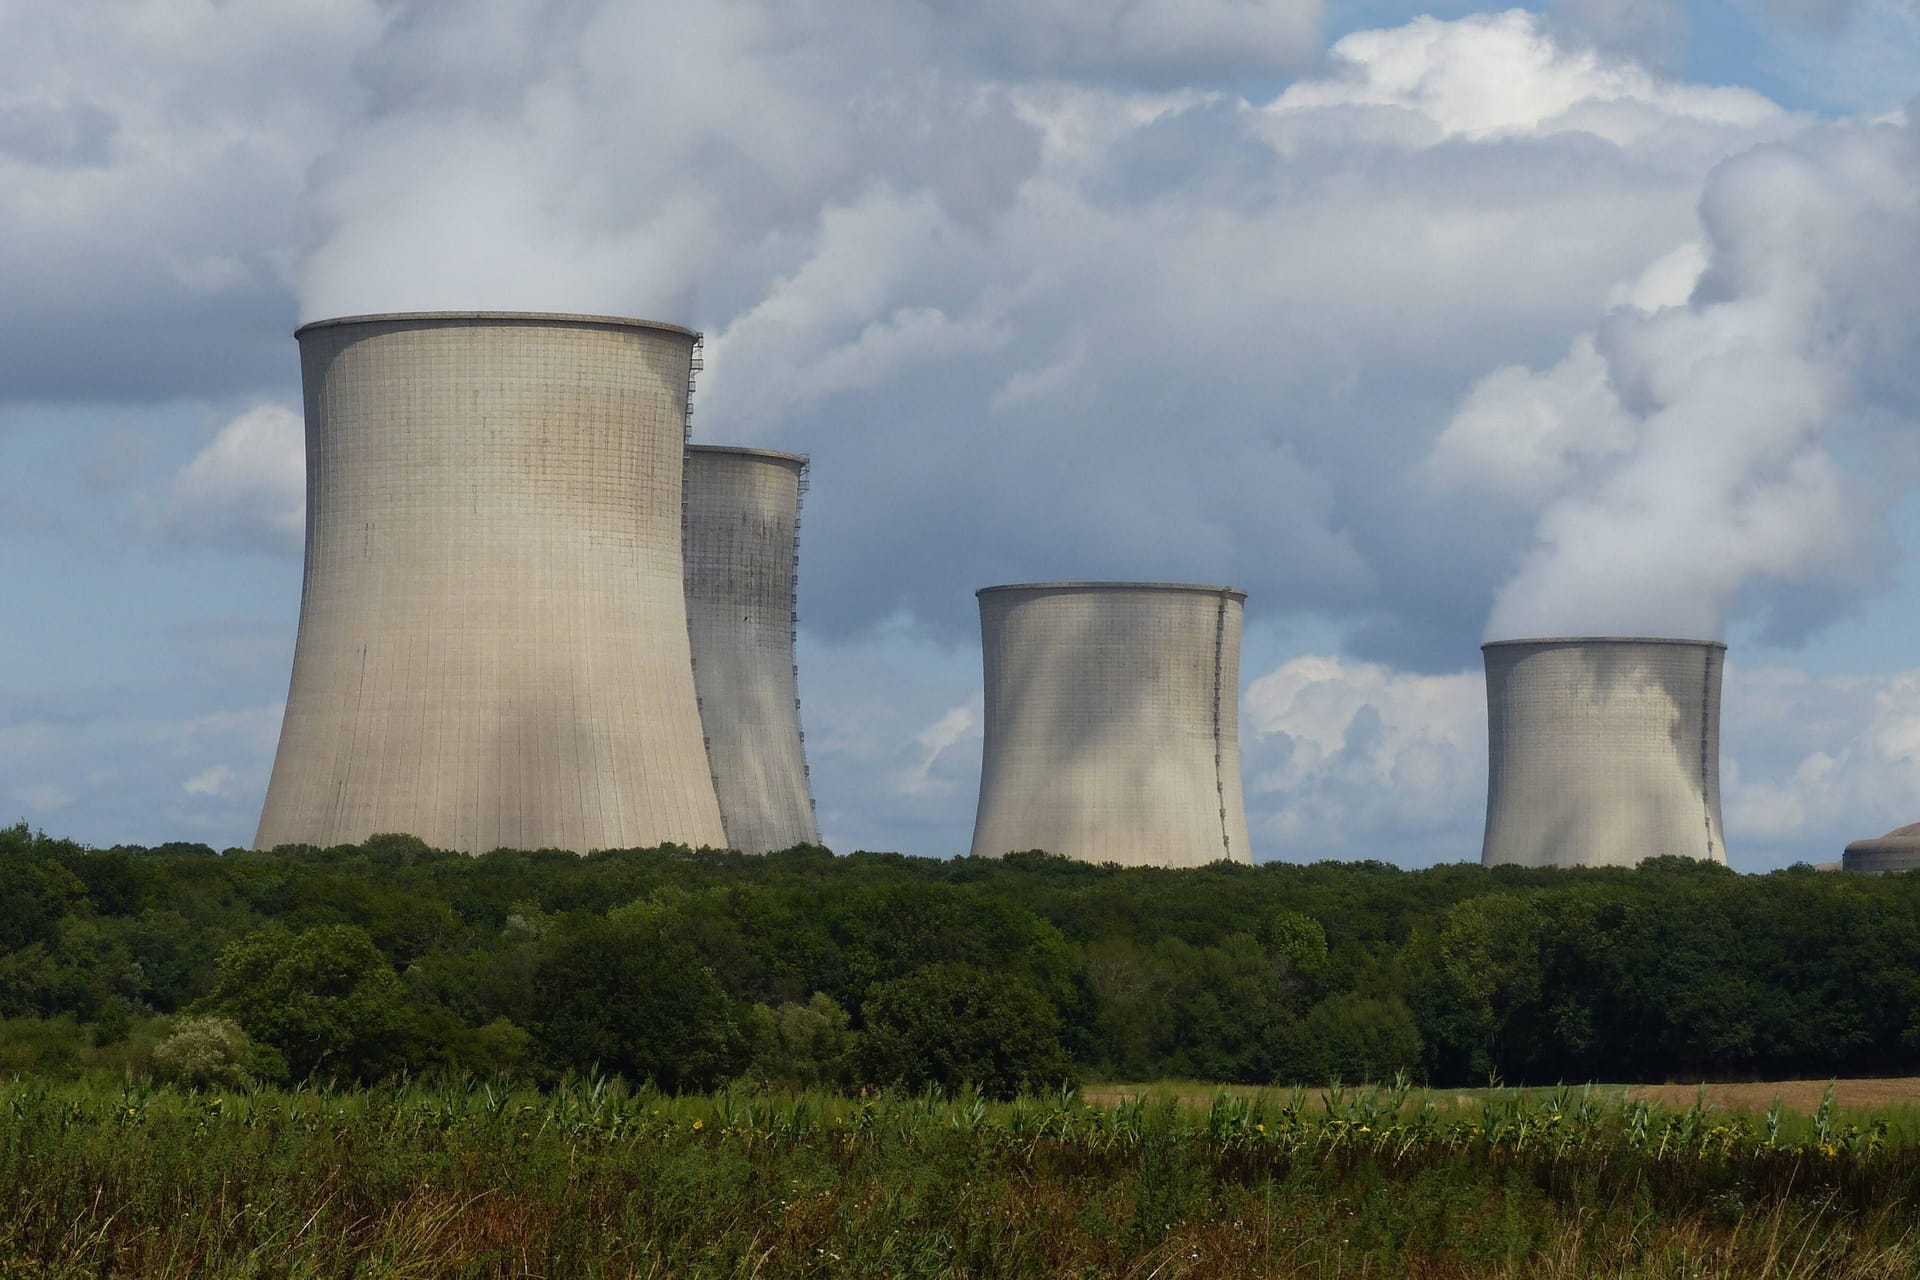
(1219, 775)
(1706, 798)
(793, 639)
(694, 365)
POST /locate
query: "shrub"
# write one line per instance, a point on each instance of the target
(626, 993)
(1351, 1038)
(325, 997)
(800, 1045)
(949, 1024)
(205, 1051)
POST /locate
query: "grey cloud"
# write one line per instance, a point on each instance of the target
(1653, 31)
(56, 134)
(1135, 42)
(154, 162)
(1204, 152)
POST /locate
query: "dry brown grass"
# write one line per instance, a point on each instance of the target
(1794, 1095)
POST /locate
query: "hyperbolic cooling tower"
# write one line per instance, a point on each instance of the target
(1602, 752)
(1112, 723)
(493, 633)
(743, 517)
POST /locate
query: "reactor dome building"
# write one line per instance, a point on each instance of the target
(1112, 723)
(743, 521)
(493, 647)
(1602, 751)
(1898, 850)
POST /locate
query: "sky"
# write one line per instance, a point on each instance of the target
(1424, 326)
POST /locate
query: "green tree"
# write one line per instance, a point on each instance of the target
(325, 997)
(949, 1024)
(800, 1045)
(626, 993)
(1350, 1038)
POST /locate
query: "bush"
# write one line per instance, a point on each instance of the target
(204, 1052)
(1350, 1039)
(950, 1024)
(325, 998)
(625, 993)
(800, 1045)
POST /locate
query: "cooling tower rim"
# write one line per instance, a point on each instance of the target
(772, 455)
(1600, 640)
(506, 317)
(1232, 593)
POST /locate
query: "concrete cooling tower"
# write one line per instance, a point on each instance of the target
(493, 632)
(743, 520)
(1602, 752)
(1112, 723)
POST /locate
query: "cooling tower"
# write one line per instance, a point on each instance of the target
(743, 519)
(493, 633)
(1112, 723)
(1601, 752)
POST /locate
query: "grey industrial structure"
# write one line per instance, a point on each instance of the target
(493, 644)
(743, 518)
(1112, 723)
(1603, 751)
(1898, 850)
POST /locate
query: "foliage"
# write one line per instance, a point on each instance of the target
(203, 1052)
(1352, 1037)
(800, 1046)
(629, 993)
(325, 998)
(692, 967)
(948, 1024)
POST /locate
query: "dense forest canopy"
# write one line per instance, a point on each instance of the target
(692, 968)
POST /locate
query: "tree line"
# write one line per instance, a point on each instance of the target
(692, 968)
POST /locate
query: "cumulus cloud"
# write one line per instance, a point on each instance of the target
(1684, 458)
(1036, 309)
(153, 155)
(1810, 763)
(1490, 74)
(246, 490)
(1356, 759)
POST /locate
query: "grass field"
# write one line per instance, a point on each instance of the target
(598, 1180)
(1893, 1101)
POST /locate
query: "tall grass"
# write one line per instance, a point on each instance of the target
(595, 1179)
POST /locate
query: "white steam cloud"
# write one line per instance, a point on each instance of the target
(1688, 460)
